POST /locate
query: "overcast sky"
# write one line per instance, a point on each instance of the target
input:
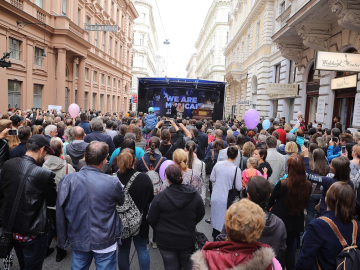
(182, 21)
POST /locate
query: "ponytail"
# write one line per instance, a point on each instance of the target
(190, 146)
(183, 166)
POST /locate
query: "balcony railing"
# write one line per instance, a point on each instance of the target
(18, 3)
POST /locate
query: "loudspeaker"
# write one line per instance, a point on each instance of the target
(218, 111)
(142, 106)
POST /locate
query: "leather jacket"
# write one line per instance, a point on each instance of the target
(39, 192)
(86, 215)
(4, 152)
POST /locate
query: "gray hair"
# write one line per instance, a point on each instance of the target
(262, 138)
(50, 128)
(97, 124)
(229, 132)
(130, 136)
(69, 134)
(96, 152)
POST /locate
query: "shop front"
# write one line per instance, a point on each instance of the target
(312, 95)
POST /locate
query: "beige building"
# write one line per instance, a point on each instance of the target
(90, 68)
(191, 67)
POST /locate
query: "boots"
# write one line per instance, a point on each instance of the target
(60, 254)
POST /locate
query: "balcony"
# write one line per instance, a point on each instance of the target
(234, 66)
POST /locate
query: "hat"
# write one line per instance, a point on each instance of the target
(40, 140)
(290, 137)
(15, 119)
(28, 110)
(151, 109)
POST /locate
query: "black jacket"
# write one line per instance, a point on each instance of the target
(204, 142)
(39, 193)
(4, 152)
(142, 193)
(173, 214)
(118, 140)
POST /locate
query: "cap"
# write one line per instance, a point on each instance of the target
(28, 110)
(209, 130)
(15, 119)
(40, 140)
(151, 109)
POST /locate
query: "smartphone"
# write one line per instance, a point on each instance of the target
(306, 144)
(343, 149)
(167, 123)
(335, 140)
(13, 132)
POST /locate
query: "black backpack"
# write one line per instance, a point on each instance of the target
(349, 257)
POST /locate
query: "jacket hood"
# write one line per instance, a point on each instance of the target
(180, 195)
(271, 225)
(281, 149)
(54, 163)
(77, 150)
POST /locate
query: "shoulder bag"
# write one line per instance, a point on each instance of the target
(233, 194)
(6, 239)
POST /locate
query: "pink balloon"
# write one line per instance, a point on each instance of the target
(163, 167)
(252, 118)
(74, 110)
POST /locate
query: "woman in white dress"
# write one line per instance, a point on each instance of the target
(223, 175)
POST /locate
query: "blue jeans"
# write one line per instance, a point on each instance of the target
(31, 255)
(141, 249)
(310, 208)
(103, 261)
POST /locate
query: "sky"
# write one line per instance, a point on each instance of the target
(182, 21)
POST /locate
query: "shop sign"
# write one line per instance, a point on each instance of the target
(281, 90)
(135, 98)
(344, 82)
(356, 119)
(244, 102)
(337, 61)
(320, 113)
(102, 28)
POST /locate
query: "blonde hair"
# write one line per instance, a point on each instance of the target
(13, 141)
(248, 149)
(321, 142)
(253, 162)
(180, 158)
(291, 148)
(264, 132)
(356, 149)
(287, 127)
(244, 221)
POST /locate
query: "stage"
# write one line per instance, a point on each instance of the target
(195, 97)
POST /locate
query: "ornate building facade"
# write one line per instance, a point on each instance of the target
(191, 67)
(145, 43)
(308, 27)
(210, 60)
(90, 68)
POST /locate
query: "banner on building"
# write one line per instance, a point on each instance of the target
(244, 102)
(356, 118)
(281, 90)
(320, 113)
(337, 61)
(102, 28)
(55, 108)
(344, 82)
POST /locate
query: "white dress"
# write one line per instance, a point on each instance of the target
(223, 175)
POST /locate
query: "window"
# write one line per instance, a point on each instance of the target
(105, 4)
(107, 102)
(86, 74)
(110, 46)
(37, 95)
(120, 53)
(38, 56)
(117, 17)
(87, 22)
(122, 22)
(113, 103)
(102, 78)
(242, 51)
(76, 96)
(248, 45)
(119, 84)
(143, 17)
(64, 7)
(14, 48)
(79, 16)
(104, 33)
(101, 101)
(141, 61)
(116, 45)
(96, 38)
(282, 8)
(292, 72)
(112, 9)
(95, 76)
(257, 35)
(76, 70)
(277, 73)
(108, 80)
(128, 58)
(39, 3)
(85, 101)
(142, 37)
(114, 82)
(93, 100)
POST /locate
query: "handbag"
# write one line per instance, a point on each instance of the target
(130, 215)
(6, 238)
(233, 194)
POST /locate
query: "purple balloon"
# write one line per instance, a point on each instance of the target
(163, 167)
(251, 118)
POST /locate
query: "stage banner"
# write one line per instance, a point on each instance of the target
(162, 99)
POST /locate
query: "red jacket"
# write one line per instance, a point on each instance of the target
(228, 255)
(282, 135)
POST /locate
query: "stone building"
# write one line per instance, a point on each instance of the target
(90, 68)
(191, 67)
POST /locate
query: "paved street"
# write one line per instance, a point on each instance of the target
(155, 257)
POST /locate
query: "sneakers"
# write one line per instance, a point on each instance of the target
(153, 244)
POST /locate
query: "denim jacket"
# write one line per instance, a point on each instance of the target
(86, 215)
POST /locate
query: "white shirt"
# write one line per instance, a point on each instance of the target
(106, 250)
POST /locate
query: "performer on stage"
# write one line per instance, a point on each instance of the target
(173, 110)
(180, 110)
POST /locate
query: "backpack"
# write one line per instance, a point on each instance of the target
(129, 214)
(154, 176)
(349, 257)
(209, 165)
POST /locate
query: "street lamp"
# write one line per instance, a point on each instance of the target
(23, 24)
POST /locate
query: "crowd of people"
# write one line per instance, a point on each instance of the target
(98, 183)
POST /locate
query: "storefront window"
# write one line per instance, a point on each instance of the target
(313, 108)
